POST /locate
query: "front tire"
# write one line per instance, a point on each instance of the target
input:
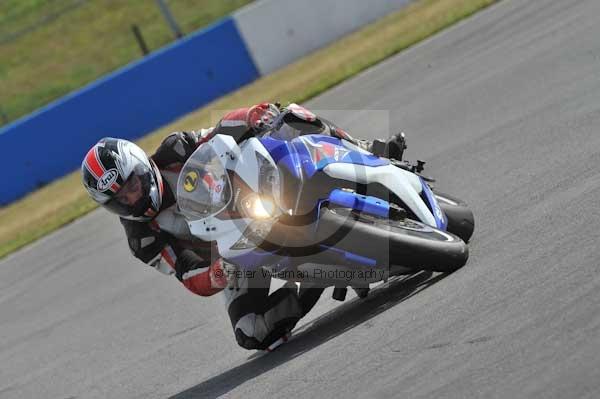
(460, 218)
(405, 242)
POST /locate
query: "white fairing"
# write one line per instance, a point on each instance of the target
(211, 228)
(249, 167)
(241, 159)
(225, 232)
(406, 185)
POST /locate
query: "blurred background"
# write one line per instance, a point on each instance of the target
(51, 47)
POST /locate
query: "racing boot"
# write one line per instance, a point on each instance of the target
(361, 291)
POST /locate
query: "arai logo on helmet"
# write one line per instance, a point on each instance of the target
(107, 179)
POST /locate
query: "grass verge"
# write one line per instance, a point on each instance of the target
(72, 42)
(65, 200)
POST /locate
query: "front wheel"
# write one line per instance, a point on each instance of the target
(405, 242)
(460, 218)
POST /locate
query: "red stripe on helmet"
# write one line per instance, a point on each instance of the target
(93, 164)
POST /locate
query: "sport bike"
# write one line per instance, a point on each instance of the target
(313, 208)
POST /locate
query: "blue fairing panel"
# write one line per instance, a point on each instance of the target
(317, 151)
(311, 153)
(284, 154)
(441, 220)
(363, 203)
(129, 102)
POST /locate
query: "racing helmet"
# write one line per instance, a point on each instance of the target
(119, 176)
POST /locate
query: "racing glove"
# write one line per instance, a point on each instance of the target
(261, 116)
(198, 275)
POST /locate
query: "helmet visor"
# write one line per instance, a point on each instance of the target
(133, 198)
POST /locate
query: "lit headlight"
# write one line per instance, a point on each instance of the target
(256, 207)
(261, 207)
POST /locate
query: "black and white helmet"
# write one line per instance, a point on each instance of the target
(119, 176)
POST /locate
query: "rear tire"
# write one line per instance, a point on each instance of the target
(403, 242)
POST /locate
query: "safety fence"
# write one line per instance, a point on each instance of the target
(171, 82)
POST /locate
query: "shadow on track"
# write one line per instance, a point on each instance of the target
(331, 324)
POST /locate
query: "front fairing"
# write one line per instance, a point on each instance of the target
(313, 165)
(206, 203)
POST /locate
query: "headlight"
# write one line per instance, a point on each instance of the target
(261, 207)
(254, 206)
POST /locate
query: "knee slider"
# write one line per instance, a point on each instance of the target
(247, 342)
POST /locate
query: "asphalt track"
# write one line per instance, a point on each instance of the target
(506, 108)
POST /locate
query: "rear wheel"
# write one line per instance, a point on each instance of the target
(404, 242)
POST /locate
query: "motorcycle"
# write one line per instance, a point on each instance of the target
(316, 209)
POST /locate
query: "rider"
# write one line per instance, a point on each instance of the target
(120, 177)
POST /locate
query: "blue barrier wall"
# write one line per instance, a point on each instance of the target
(128, 103)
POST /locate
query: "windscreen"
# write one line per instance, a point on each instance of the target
(203, 188)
